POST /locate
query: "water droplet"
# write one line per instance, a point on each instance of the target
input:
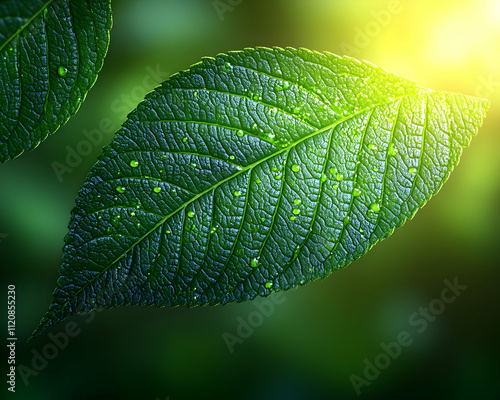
(240, 133)
(333, 171)
(271, 135)
(258, 181)
(193, 165)
(237, 193)
(392, 150)
(296, 211)
(134, 163)
(297, 202)
(346, 220)
(99, 217)
(269, 285)
(323, 178)
(62, 71)
(335, 186)
(286, 85)
(412, 170)
(120, 189)
(274, 110)
(157, 189)
(356, 192)
(190, 214)
(292, 217)
(375, 207)
(255, 262)
(231, 157)
(132, 214)
(277, 177)
(372, 146)
(339, 176)
(262, 219)
(295, 168)
(214, 229)
(184, 139)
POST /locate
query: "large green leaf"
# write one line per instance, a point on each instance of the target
(50, 54)
(254, 172)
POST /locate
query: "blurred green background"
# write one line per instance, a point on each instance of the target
(319, 335)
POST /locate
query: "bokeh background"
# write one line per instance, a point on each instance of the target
(318, 336)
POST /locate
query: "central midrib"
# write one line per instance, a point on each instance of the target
(22, 27)
(244, 169)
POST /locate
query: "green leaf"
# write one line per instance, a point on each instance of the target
(50, 54)
(255, 172)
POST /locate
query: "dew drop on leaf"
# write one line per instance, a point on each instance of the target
(392, 150)
(62, 71)
(269, 285)
(412, 170)
(157, 189)
(120, 189)
(295, 168)
(134, 163)
(297, 202)
(190, 214)
(375, 207)
(237, 193)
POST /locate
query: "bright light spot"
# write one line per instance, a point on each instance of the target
(495, 9)
(454, 41)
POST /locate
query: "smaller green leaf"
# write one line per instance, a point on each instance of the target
(255, 172)
(50, 55)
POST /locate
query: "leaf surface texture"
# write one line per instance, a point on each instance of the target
(254, 172)
(50, 54)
